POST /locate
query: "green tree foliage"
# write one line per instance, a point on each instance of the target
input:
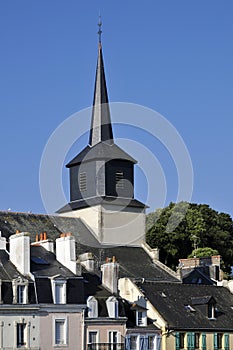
(176, 228)
(203, 252)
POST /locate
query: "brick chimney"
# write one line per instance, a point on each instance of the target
(44, 242)
(65, 252)
(20, 252)
(110, 271)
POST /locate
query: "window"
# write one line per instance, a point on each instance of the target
(197, 340)
(83, 181)
(59, 291)
(112, 307)
(151, 342)
(119, 178)
(133, 342)
(21, 335)
(141, 318)
(219, 340)
(112, 339)
(21, 294)
(93, 339)
(60, 332)
(92, 306)
(20, 290)
(211, 313)
(181, 340)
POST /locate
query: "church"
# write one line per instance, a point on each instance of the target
(84, 278)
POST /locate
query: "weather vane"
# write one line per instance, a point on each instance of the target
(100, 29)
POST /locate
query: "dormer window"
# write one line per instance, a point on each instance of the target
(112, 306)
(211, 311)
(59, 291)
(141, 319)
(20, 291)
(92, 305)
(21, 294)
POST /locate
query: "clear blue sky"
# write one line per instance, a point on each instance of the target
(175, 57)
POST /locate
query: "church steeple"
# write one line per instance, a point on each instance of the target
(101, 128)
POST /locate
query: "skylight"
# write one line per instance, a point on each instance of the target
(39, 261)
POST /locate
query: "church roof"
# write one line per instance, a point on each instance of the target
(101, 128)
(99, 151)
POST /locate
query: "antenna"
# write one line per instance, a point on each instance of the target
(100, 28)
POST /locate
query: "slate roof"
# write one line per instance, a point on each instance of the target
(101, 150)
(46, 265)
(93, 287)
(171, 301)
(196, 276)
(121, 201)
(129, 258)
(134, 262)
(8, 272)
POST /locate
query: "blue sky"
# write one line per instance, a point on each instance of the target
(175, 57)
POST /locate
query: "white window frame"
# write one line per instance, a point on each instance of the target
(141, 321)
(15, 287)
(65, 321)
(110, 336)
(154, 341)
(21, 294)
(61, 283)
(92, 311)
(112, 305)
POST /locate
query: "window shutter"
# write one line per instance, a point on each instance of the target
(141, 343)
(158, 343)
(177, 341)
(192, 341)
(226, 341)
(146, 343)
(189, 339)
(127, 343)
(203, 341)
(215, 341)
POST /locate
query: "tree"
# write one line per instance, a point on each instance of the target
(203, 252)
(176, 228)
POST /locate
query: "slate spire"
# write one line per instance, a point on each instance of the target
(101, 128)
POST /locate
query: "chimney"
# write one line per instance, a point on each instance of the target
(65, 252)
(87, 260)
(20, 252)
(110, 272)
(44, 242)
(2, 242)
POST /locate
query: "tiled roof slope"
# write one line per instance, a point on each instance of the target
(170, 301)
(134, 261)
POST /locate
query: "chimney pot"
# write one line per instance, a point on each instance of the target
(17, 231)
(37, 238)
(45, 236)
(41, 236)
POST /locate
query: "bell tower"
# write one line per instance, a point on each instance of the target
(102, 176)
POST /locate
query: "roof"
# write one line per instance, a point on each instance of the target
(100, 151)
(116, 201)
(173, 301)
(101, 128)
(196, 276)
(127, 257)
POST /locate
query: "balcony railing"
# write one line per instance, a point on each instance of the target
(106, 346)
